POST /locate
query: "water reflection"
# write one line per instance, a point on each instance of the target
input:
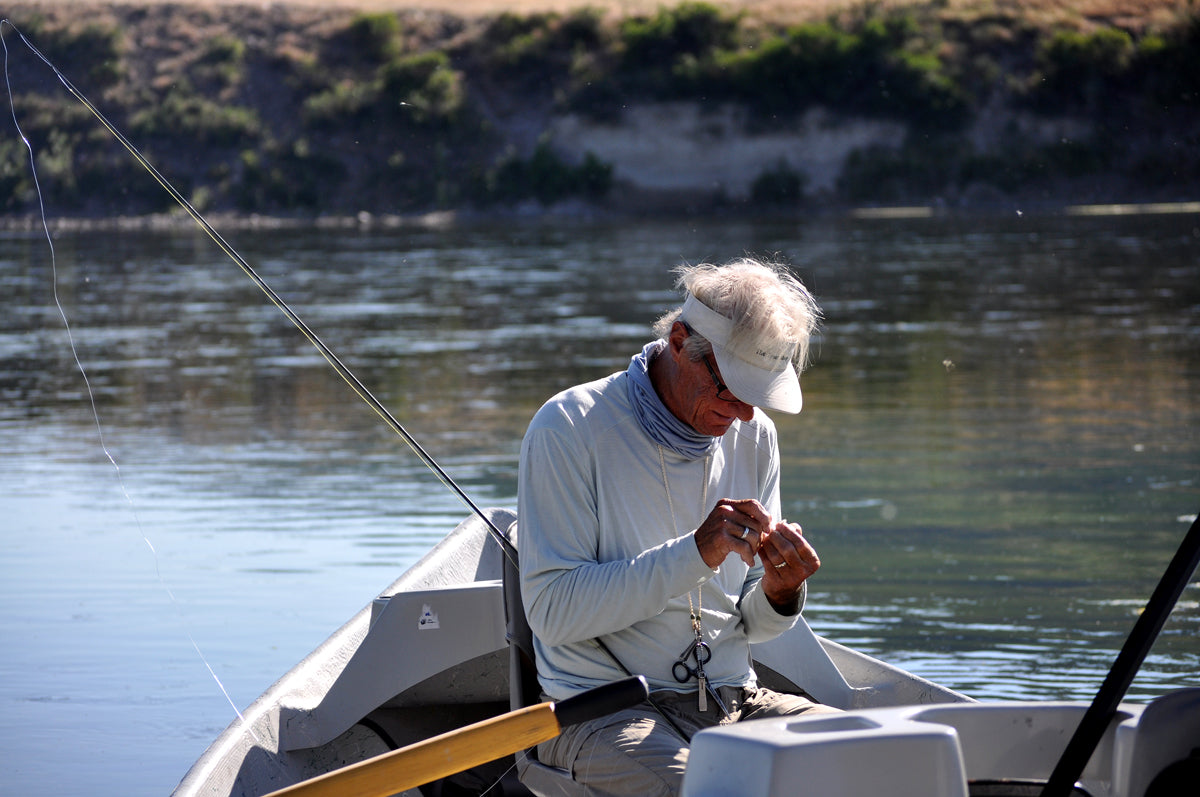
(998, 444)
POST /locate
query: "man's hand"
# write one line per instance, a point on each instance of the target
(745, 528)
(787, 560)
(733, 526)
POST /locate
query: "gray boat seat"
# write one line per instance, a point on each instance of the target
(541, 779)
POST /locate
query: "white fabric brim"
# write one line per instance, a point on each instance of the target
(771, 390)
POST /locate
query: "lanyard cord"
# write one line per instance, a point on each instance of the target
(342, 370)
(695, 610)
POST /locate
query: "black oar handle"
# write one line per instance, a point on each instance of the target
(601, 701)
(1104, 707)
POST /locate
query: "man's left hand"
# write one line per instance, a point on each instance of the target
(788, 559)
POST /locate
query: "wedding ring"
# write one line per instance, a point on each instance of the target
(745, 531)
(781, 565)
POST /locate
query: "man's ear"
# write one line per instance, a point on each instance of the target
(678, 335)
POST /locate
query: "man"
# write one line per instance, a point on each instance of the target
(650, 536)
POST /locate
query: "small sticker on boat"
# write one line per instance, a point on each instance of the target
(428, 621)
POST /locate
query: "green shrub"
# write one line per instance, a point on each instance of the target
(109, 181)
(921, 89)
(657, 51)
(690, 28)
(806, 65)
(288, 177)
(515, 42)
(548, 55)
(583, 28)
(56, 162)
(546, 178)
(421, 88)
(922, 167)
(424, 86)
(1021, 165)
(1076, 69)
(1166, 66)
(223, 50)
(16, 186)
(778, 185)
(184, 114)
(74, 173)
(370, 39)
(593, 177)
(90, 55)
(222, 61)
(341, 104)
(870, 70)
(41, 113)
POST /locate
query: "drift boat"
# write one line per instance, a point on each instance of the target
(446, 646)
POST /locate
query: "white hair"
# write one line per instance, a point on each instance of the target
(764, 300)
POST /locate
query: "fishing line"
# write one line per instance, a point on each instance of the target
(342, 370)
(88, 384)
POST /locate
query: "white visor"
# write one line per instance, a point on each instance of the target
(759, 373)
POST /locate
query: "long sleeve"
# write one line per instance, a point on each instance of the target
(605, 554)
(572, 592)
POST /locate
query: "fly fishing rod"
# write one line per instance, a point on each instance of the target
(341, 368)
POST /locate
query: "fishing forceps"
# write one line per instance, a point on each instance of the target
(698, 651)
(701, 653)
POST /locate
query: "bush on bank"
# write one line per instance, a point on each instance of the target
(395, 113)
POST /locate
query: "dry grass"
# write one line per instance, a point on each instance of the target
(1129, 13)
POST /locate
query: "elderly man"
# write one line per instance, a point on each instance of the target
(650, 537)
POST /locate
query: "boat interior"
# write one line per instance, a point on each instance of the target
(435, 651)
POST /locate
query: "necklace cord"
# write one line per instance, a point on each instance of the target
(342, 370)
(696, 614)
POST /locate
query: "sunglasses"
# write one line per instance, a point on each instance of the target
(723, 392)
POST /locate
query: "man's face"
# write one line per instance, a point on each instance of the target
(710, 407)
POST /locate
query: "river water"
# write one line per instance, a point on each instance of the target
(998, 455)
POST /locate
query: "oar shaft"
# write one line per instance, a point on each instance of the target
(432, 759)
(454, 751)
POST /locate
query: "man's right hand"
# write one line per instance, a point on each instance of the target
(733, 526)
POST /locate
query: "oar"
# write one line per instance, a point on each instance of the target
(1104, 707)
(467, 747)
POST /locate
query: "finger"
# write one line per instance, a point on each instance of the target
(787, 529)
(746, 544)
(807, 560)
(749, 536)
(743, 520)
(789, 533)
(785, 550)
(749, 512)
(741, 539)
(778, 560)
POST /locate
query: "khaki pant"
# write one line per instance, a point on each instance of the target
(636, 752)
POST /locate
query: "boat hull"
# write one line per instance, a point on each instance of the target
(429, 655)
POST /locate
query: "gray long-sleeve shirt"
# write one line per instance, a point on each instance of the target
(602, 556)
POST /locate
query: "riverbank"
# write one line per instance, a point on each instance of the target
(441, 220)
(385, 110)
